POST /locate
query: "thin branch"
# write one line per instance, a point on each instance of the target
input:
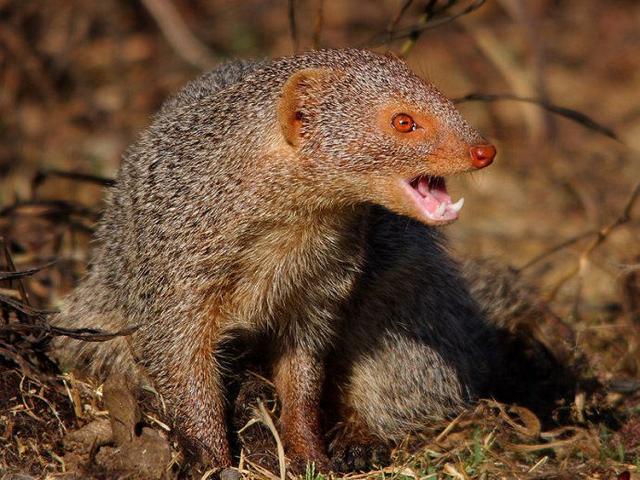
(383, 38)
(623, 218)
(85, 334)
(293, 31)
(56, 206)
(42, 175)
(21, 307)
(12, 268)
(601, 236)
(265, 417)
(556, 248)
(175, 30)
(14, 275)
(428, 13)
(515, 73)
(317, 31)
(568, 113)
(394, 22)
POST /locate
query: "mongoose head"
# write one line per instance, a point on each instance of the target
(374, 132)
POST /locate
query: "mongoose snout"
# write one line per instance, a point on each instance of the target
(429, 193)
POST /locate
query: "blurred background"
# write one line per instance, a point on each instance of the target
(80, 79)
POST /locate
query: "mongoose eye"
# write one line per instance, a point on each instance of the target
(403, 123)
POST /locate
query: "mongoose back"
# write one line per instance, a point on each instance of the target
(245, 211)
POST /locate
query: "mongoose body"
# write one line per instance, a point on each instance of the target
(247, 210)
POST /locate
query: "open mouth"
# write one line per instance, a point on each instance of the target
(430, 196)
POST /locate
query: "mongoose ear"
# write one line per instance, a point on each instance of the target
(295, 96)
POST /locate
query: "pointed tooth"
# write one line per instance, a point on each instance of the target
(440, 210)
(457, 206)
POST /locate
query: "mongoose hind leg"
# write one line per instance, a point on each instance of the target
(298, 379)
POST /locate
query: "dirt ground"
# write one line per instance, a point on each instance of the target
(78, 82)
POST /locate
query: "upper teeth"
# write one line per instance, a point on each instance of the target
(440, 210)
(457, 206)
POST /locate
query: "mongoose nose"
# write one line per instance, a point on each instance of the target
(482, 155)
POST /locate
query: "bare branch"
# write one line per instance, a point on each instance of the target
(44, 174)
(84, 334)
(394, 23)
(556, 248)
(60, 207)
(293, 31)
(175, 30)
(23, 273)
(383, 38)
(429, 12)
(601, 236)
(317, 31)
(21, 307)
(565, 112)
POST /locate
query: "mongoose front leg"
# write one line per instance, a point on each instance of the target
(190, 382)
(298, 378)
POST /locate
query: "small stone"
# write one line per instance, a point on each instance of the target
(230, 474)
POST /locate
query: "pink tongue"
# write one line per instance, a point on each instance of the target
(441, 196)
(433, 193)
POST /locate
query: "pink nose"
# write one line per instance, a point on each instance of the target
(482, 155)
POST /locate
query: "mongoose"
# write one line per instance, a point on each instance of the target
(250, 209)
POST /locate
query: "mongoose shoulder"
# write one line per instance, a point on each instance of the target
(246, 210)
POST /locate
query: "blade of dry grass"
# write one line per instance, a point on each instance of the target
(265, 417)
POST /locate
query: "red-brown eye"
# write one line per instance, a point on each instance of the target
(403, 123)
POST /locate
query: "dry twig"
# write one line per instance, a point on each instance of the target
(317, 30)
(601, 236)
(428, 13)
(556, 248)
(394, 22)
(293, 31)
(43, 175)
(84, 334)
(175, 30)
(565, 112)
(385, 38)
(14, 275)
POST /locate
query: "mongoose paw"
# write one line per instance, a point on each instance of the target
(359, 456)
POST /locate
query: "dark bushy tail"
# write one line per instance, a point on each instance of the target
(536, 356)
(91, 306)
